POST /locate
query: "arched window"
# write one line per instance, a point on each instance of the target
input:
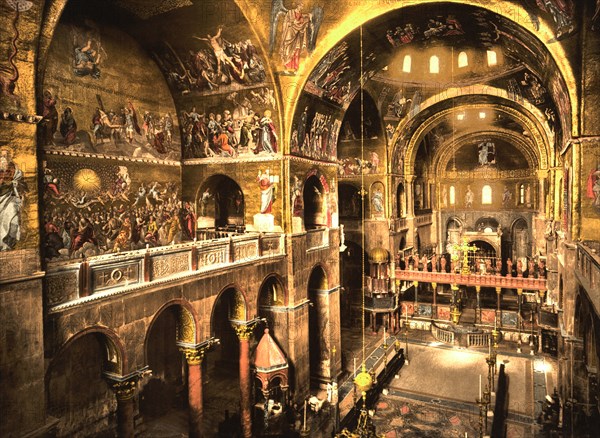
(486, 195)
(434, 64)
(492, 58)
(522, 194)
(452, 195)
(463, 61)
(406, 64)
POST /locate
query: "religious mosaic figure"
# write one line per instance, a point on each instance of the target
(469, 197)
(299, 32)
(506, 196)
(88, 53)
(377, 201)
(267, 191)
(593, 186)
(12, 188)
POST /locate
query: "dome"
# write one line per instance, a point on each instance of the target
(379, 255)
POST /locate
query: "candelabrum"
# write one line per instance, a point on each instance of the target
(406, 343)
(482, 403)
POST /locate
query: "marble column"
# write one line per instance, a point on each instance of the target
(125, 391)
(194, 357)
(244, 332)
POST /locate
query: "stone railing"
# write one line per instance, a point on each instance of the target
(69, 283)
(317, 238)
(442, 335)
(399, 224)
(423, 219)
(478, 339)
(473, 279)
(588, 269)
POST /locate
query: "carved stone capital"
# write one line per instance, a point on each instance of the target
(194, 356)
(243, 331)
(125, 389)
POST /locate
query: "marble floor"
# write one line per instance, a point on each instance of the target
(433, 396)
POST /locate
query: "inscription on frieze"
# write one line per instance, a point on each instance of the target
(164, 266)
(108, 277)
(213, 257)
(246, 251)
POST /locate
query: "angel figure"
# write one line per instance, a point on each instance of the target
(299, 32)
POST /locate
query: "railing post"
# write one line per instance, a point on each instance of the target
(84, 278)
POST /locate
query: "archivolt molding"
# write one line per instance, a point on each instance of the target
(475, 90)
(423, 128)
(366, 11)
(445, 154)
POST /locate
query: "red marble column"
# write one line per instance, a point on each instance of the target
(195, 403)
(244, 333)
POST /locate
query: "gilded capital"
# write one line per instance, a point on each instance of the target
(193, 356)
(124, 390)
(243, 331)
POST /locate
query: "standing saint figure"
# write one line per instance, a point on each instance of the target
(469, 197)
(11, 188)
(267, 138)
(267, 191)
(377, 201)
(294, 37)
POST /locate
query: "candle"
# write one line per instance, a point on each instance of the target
(490, 346)
(384, 335)
(305, 403)
(480, 387)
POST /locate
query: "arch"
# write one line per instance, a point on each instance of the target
(434, 64)
(444, 156)
(485, 248)
(487, 222)
(406, 64)
(315, 195)
(75, 385)
(220, 203)
(530, 122)
(239, 312)
(187, 326)
(520, 239)
(350, 201)
(319, 277)
(114, 344)
(400, 200)
(272, 292)
(491, 57)
(512, 13)
(162, 353)
(463, 60)
(486, 195)
(452, 195)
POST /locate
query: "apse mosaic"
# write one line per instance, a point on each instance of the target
(97, 207)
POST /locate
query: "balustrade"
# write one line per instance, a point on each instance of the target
(68, 283)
